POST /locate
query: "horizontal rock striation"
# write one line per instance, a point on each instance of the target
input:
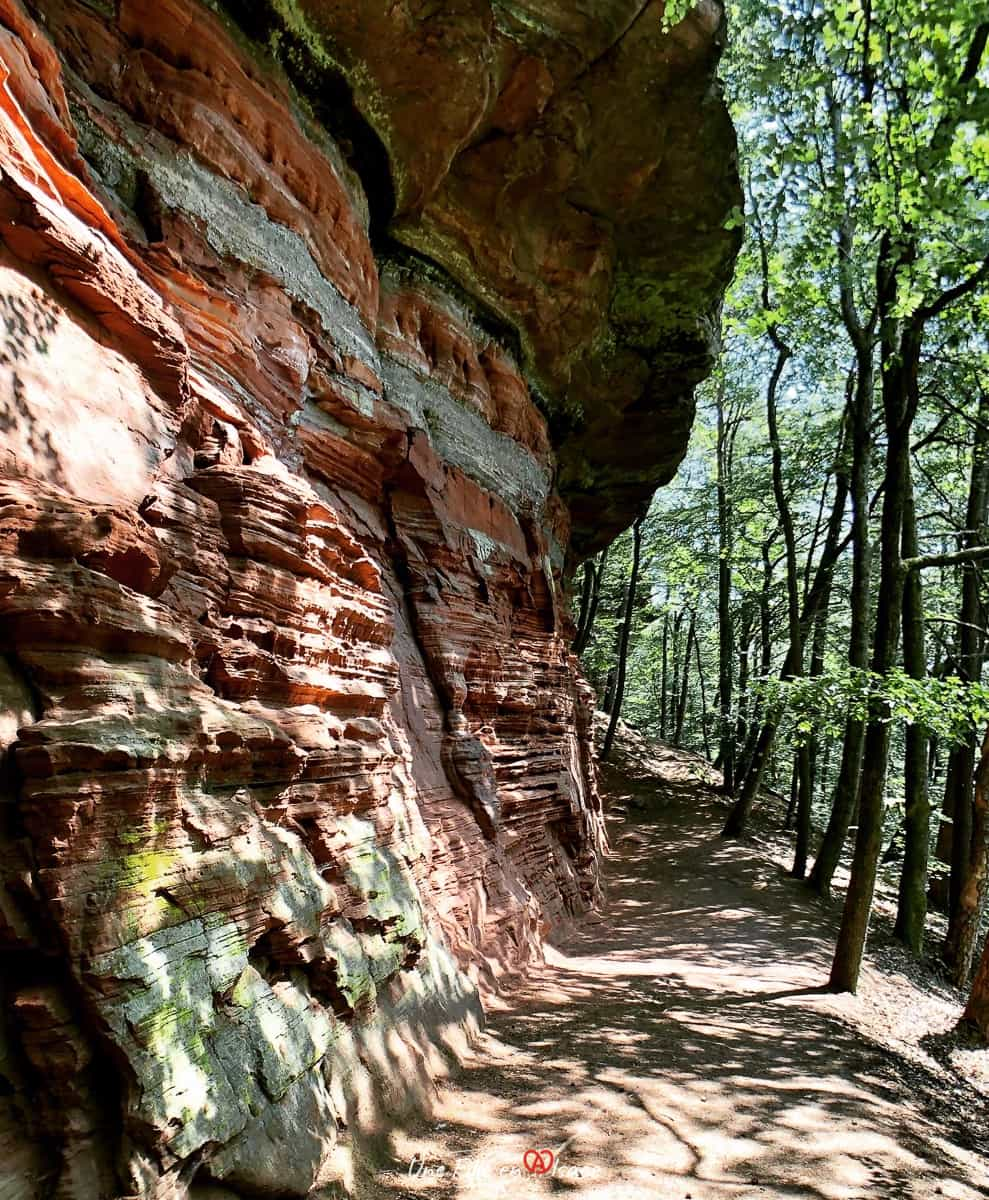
(331, 335)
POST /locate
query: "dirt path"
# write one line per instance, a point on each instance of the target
(675, 1047)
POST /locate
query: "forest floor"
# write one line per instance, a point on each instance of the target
(677, 1045)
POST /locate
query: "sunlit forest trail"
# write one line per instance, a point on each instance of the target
(679, 1047)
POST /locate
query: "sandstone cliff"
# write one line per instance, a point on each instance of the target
(333, 335)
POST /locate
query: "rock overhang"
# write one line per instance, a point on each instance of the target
(570, 168)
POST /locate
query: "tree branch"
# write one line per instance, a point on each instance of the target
(923, 561)
(946, 299)
(975, 53)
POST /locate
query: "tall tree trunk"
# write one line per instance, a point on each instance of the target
(586, 591)
(762, 746)
(684, 681)
(977, 1009)
(666, 660)
(911, 913)
(957, 801)
(743, 762)
(726, 734)
(608, 703)
(583, 637)
(823, 772)
(794, 624)
(816, 670)
(965, 926)
(861, 335)
(590, 599)
(849, 770)
(657, 700)
(619, 696)
(805, 791)
(703, 692)
(958, 774)
(765, 615)
(791, 804)
(674, 698)
(900, 355)
(806, 756)
(744, 648)
(959, 793)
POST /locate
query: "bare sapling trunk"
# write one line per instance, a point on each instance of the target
(626, 633)
(911, 913)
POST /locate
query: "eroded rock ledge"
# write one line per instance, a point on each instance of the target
(332, 335)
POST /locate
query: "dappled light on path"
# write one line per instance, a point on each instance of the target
(680, 1045)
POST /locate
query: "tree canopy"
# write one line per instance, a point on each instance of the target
(810, 605)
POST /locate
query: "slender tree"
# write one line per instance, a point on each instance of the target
(911, 911)
(626, 633)
(726, 649)
(900, 355)
(861, 333)
(966, 854)
(589, 600)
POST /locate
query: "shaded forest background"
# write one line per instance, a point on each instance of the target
(806, 604)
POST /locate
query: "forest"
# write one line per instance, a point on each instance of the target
(806, 603)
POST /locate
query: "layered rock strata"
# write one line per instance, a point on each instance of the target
(332, 335)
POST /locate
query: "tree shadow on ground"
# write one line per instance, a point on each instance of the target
(682, 1045)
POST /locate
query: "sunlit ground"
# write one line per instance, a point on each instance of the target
(677, 1047)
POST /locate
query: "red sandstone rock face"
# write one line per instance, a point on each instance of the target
(294, 752)
(571, 165)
